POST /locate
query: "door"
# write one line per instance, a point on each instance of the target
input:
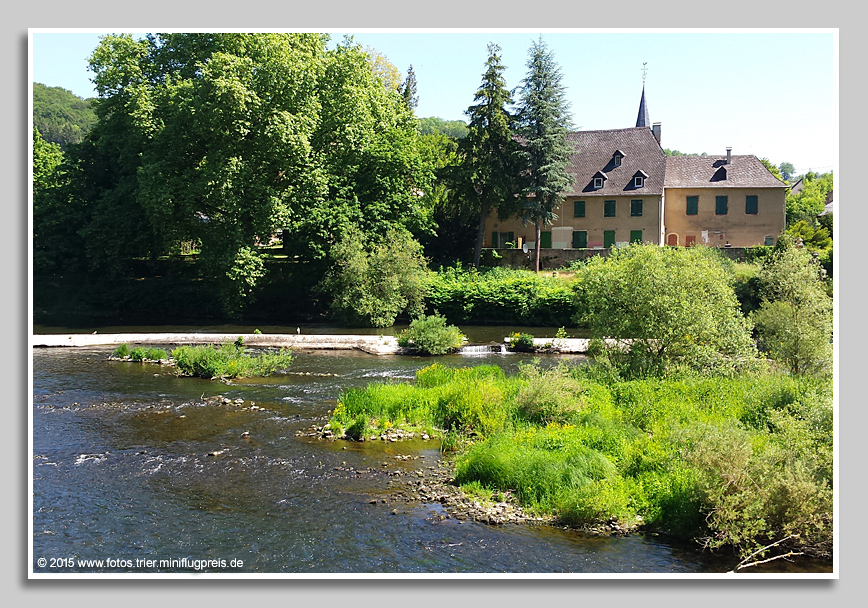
(608, 238)
(672, 240)
(690, 241)
(580, 239)
(635, 236)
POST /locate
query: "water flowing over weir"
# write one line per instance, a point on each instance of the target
(131, 462)
(483, 349)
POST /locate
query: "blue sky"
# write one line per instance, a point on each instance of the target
(772, 93)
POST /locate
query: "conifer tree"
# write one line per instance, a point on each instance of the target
(488, 153)
(544, 120)
(408, 91)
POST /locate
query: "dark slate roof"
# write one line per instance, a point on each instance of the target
(642, 119)
(594, 151)
(745, 171)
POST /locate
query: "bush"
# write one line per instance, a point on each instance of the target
(122, 351)
(370, 287)
(548, 396)
(430, 335)
(140, 353)
(501, 295)
(521, 342)
(667, 308)
(228, 361)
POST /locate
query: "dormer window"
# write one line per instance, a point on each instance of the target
(617, 157)
(599, 179)
(639, 179)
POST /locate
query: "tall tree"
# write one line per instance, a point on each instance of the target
(408, 90)
(544, 120)
(488, 154)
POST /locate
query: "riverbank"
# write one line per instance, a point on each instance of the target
(372, 344)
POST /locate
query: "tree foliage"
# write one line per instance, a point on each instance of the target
(225, 139)
(794, 321)
(543, 123)
(810, 201)
(409, 91)
(486, 177)
(371, 284)
(665, 307)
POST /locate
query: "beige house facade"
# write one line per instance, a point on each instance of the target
(626, 189)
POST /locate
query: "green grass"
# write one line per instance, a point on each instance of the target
(140, 353)
(229, 360)
(731, 461)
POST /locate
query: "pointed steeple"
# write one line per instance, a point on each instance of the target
(643, 120)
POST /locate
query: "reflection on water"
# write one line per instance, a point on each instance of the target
(130, 461)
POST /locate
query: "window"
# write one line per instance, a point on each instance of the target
(494, 239)
(617, 160)
(638, 181)
(598, 182)
(636, 208)
(720, 205)
(692, 205)
(580, 239)
(635, 236)
(690, 240)
(579, 209)
(751, 204)
(608, 238)
(770, 241)
(545, 239)
(609, 209)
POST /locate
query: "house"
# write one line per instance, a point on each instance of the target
(626, 189)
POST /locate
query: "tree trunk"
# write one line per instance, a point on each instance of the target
(537, 246)
(480, 236)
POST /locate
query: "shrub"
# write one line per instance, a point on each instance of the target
(794, 321)
(548, 395)
(521, 342)
(122, 351)
(430, 335)
(370, 287)
(666, 308)
(228, 361)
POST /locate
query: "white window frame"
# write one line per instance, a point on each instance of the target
(638, 182)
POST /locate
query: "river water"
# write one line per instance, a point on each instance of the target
(134, 464)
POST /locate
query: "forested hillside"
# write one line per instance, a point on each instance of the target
(61, 117)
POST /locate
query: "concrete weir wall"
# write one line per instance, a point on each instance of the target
(380, 345)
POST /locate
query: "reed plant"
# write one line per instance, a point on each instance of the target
(229, 360)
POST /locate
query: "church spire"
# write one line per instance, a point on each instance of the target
(643, 120)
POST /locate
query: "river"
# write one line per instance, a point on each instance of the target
(133, 464)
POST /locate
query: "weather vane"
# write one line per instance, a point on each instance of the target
(644, 70)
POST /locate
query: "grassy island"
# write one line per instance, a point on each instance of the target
(741, 461)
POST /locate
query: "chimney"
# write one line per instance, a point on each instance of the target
(655, 129)
(728, 156)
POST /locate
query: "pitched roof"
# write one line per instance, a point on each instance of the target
(744, 171)
(594, 152)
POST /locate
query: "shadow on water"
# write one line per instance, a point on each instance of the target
(130, 461)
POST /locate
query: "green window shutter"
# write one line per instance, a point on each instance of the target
(511, 238)
(770, 241)
(692, 205)
(609, 209)
(720, 205)
(494, 239)
(579, 209)
(608, 238)
(751, 204)
(545, 240)
(636, 208)
(580, 239)
(635, 236)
